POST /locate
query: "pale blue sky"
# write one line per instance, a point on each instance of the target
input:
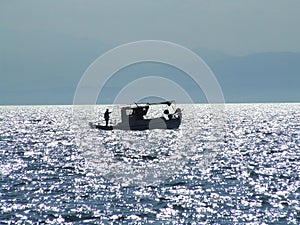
(45, 46)
(233, 27)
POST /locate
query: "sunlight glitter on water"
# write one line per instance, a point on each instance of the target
(148, 157)
(254, 177)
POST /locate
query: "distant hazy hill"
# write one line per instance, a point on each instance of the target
(45, 69)
(261, 77)
(210, 56)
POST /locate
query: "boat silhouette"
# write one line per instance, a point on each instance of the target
(133, 118)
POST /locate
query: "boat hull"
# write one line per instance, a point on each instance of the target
(97, 126)
(145, 124)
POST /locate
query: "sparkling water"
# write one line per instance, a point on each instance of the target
(242, 168)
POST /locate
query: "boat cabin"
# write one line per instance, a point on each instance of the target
(137, 113)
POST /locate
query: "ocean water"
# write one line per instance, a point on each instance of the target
(242, 167)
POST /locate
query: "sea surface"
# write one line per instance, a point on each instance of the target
(239, 167)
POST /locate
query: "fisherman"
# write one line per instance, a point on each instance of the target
(106, 117)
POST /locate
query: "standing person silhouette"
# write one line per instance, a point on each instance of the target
(106, 117)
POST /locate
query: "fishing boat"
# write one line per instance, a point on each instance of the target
(134, 118)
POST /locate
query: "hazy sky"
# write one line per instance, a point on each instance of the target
(45, 46)
(233, 27)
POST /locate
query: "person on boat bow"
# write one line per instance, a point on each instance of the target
(106, 117)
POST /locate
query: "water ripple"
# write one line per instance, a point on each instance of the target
(252, 179)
